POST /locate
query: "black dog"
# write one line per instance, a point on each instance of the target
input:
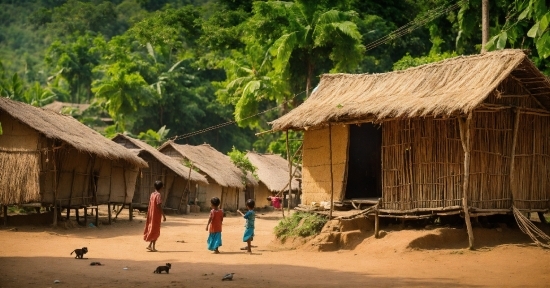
(79, 252)
(163, 268)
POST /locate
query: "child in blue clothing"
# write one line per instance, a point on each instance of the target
(250, 216)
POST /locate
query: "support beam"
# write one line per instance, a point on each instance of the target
(330, 167)
(289, 173)
(465, 137)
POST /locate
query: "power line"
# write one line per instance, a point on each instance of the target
(401, 31)
(233, 121)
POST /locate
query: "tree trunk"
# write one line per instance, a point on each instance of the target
(484, 24)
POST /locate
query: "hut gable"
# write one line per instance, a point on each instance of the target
(138, 147)
(210, 161)
(67, 129)
(272, 170)
(456, 85)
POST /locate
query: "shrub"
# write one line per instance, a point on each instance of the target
(300, 224)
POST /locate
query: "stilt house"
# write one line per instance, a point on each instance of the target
(469, 133)
(179, 181)
(273, 175)
(52, 159)
(225, 180)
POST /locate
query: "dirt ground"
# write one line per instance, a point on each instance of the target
(36, 256)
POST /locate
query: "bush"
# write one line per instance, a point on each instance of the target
(300, 224)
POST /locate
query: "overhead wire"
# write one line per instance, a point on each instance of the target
(401, 31)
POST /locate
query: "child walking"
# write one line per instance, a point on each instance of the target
(250, 217)
(215, 222)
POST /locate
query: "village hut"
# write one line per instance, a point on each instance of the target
(225, 180)
(60, 107)
(273, 175)
(54, 160)
(468, 133)
(179, 181)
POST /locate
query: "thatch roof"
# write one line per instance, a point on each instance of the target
(67, 129)
(139, 147)
(211, 162)
(456, 85)
(58, 106)
(272, 170)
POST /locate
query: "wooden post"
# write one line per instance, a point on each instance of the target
(330, 167)
(289, 173)
(5, 212)
(484, 24)
(86, 215)
(131, 211)
(466, 145)
(517, 116)
(54, 187)
(110, 192)
(109, 211)
(377, 220)
(70, 196)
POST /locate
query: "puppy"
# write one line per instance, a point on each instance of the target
(79, 253)
(163, 268)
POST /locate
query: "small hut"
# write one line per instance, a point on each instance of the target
(273, 176)
(179, 181)
(59, 107)
(52, 159)
(224, 178)
(465, 135)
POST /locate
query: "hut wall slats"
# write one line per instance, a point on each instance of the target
(532, 170)
(174, 198)
(316, 163)
(148, 177)
(262, 192)
(422, 166)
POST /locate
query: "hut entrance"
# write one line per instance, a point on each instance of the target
(364, 176)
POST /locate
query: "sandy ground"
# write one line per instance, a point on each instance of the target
(35, 256)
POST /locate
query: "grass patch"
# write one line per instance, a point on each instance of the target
(300, 224)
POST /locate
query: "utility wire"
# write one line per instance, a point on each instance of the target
(401, 31)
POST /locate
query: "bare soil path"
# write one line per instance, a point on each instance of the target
(35, 256)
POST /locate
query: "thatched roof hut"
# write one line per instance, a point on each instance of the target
(224, 178)
(467, 133)
(178, 180)
(58, 106)
(273, 175)
(54, 159)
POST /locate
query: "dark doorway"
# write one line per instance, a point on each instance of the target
(365, 162)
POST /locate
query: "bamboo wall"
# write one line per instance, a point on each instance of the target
(316, 184)
(422, 164)
(146, 179)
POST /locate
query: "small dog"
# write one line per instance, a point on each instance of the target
(79, 252)
(163, 268)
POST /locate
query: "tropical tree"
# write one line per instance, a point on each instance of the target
(154, 138)
(312, 37)
(38, 96)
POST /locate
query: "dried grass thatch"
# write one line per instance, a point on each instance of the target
(58, 106)
(272, 170)
(67, 129)
(456, 85)
(138, 147)
(19, 174)
(210, 161)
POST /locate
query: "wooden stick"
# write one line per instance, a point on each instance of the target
(55, 186)
(466, 145)
(376, 220)
(289, 173)
(513, 191)
(330, 167)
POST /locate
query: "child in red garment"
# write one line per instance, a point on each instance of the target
(276, 201)
(215, 222)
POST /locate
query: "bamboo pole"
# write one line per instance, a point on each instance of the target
(466, 144)
(330, 167)
(54, 186)
(484, 24)
(513, 191)
(289, 173)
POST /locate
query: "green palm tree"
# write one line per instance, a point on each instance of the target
(310, 34)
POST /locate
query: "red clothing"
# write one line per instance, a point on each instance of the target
(216, 222)
(276, 201)
(154, 216)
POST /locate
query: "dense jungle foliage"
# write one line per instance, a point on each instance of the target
(157, 69)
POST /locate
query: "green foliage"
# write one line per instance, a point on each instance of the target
(154, 138)
(408, 61)
(278, 145)
(300, 224)
(241, 161)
